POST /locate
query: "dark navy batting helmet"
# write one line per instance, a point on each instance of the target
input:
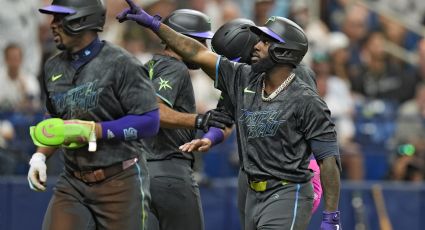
(81, 15)
(235, 41)
(290, 44)
(190, 22)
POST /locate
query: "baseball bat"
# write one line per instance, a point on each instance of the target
(378, 198)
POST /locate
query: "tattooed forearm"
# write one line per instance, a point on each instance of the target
(330, 177)
(184, 46)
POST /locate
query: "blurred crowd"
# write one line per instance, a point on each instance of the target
(368, 56)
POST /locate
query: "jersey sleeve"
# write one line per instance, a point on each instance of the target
(231, 76)
(224, 103)
(168, 79)
(135, 91)
(315, 120)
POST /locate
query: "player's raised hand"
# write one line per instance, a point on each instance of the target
(37, 173)
(198, 145)
(137, 14)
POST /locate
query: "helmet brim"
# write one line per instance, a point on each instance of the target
(261, 30)
(206, 34)
(56, 9)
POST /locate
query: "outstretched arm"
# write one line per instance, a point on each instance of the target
(188, 48)
(172, 119)
(213, 137)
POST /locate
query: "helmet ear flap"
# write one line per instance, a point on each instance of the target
(282, 53)
(87, 18)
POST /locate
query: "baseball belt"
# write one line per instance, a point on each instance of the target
(264, 185)
(98, 175)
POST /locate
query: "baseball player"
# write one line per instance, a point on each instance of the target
(280, 122)
(101, 103)
(227, 42)
(176, 202)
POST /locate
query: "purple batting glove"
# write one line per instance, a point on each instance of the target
(330, 221)
(137, 14)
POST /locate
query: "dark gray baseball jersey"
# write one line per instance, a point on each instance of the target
(110, 86)
(302, 71)
(172, 83)
(274, 135)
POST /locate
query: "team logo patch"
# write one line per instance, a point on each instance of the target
(78, 100)
(110, 134)
(246, 90)
(271, 19)
(164, 84)
(56, 77)
(261, 123)
(130, 134)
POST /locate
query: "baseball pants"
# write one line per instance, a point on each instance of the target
(176, 201)
(118, 202)
(283, 207)
(243, 187)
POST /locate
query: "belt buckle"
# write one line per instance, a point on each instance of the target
(92, 176)
(258, 186)
(85, 176)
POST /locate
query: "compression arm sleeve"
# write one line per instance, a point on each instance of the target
(132, 127)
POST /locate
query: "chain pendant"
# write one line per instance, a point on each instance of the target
(278, 90)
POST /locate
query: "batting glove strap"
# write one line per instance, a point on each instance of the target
(331, 217)
(201, 122)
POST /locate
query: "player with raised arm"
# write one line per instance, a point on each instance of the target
(279, 125)
(176, 202)
(227, 42)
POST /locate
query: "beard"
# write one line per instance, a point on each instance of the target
(263, 65)
(61, 46)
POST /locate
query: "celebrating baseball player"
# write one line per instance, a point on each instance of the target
(280, 121)
(101, 103)
(176, 202)
(227, 42)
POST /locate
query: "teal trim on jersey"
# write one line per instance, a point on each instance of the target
(296, 206)
(217, 64)
(165, 100)
(144, 214)
(151, 64)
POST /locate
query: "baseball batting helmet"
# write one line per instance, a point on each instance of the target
(190, 22)
(291, 43)
(81, 15)
(235, 41)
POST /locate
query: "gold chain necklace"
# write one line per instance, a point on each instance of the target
(278, 90)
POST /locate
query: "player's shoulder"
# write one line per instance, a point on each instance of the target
(303, 91)
(118, 54)
(238, 69)
(234, 65)
(167, 62)
(163, 66)
(306, 74)
(57, 62)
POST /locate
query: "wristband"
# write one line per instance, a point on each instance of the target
(215, 135)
